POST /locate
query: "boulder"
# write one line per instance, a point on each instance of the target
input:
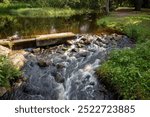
(4, 51)
(60, 51)
(36, 50)
(3, 90)
(60, 65)
(64, 48)
(84, 54)
(92, 83)
(18, 58)
(69, 42)
(87, 42)
(59, 78)
(81, 41)
(43, 63)
(83, 38)
(79, 45)
(103, 40)
(118, 37)
(74, 50)
(18, 83)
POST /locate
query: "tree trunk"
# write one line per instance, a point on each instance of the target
(107, 6)
(138, 5)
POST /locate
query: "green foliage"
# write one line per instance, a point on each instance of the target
(128, 72)
(8, 6)
(46, 8)
(90, 4)
(48, 12)
(66, 3)
(8, 24)
(7, 72)
(135, 26)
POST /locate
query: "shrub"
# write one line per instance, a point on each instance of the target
(8, 72)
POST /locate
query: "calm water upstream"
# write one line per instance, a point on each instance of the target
(28, 27)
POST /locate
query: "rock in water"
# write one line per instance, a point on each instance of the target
(69, 42)
(4, 51)
(42, 63)
(36, 50)
(2, 91)
(60, 65)
(59, 78)
(18, 58)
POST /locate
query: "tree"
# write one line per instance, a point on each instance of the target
(146, 4)
(138, 4)
(107, 6)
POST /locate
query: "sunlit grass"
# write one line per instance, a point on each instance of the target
(127, 71)
(4, 6)
(137, 23)
(47, 12)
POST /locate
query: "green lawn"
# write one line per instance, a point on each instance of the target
(136, 26)
(127, 71)
(25, 10)
(47, 12)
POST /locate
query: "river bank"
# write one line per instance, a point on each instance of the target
(127, 70)
(46, 12)
(20, 9)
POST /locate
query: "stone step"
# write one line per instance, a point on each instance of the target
(39, 41)
(53, 39)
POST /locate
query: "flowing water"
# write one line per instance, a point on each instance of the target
(67, 71)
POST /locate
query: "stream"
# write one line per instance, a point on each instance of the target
(67, 71)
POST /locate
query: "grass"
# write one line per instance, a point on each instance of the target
(127, 71)
(26, 10)
(48, 12)
(135, 26)
(8, 73)
(6, 7)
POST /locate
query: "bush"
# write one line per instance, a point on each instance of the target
(7, 72)
(128, 72)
